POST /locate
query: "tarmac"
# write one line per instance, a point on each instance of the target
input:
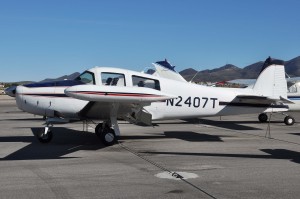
(227, 157)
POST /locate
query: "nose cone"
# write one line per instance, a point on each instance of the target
(11, 91)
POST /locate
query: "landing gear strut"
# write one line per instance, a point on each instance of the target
(45, 135)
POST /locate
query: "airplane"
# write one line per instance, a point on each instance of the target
(293, 94)
(109, 94)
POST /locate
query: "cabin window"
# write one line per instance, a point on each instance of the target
(86, 78)
(113, 79)
(292, 89)
(145, 82)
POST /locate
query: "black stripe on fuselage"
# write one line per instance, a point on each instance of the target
(64, 83)
(251, 105)
(294, 97)
(45, 95)
(117, 94)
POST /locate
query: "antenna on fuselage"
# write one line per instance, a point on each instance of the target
(194, 76)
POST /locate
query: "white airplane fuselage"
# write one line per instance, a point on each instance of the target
(108, 94)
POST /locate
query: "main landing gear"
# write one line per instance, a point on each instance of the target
(106, 133)
(288, 120)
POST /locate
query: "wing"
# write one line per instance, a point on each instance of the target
(122, 102)
(116, 94)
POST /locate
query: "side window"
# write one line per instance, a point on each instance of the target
(86, 77)
(145, 82)
(292, 89)
(113, 79)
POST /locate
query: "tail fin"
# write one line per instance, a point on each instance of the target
(271, 81)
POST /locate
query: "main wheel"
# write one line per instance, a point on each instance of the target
(45, 138)
(263, 117)
(108, 136)
(288, 120)
(98, 130)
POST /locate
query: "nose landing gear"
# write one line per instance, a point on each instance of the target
(45, 135)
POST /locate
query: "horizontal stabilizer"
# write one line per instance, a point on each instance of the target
(286, 101)
(262, 99)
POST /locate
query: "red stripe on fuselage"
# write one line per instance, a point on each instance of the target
(117, 94)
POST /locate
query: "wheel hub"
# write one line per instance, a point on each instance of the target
(109, 137)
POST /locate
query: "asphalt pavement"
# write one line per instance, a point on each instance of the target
(227, 157)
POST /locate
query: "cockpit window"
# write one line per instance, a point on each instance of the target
(113, 79)
(86, 78)
(145, 82)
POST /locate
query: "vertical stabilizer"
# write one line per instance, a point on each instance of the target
(271, 81)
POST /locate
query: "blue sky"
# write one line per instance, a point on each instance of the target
(40, 39)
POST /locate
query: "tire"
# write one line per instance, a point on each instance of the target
(288, 120)
(263, 117)
(45, 138)
(98, 130)
(108, 137)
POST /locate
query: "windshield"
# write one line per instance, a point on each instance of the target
(86, 78)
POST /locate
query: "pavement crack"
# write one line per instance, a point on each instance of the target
(172, 173)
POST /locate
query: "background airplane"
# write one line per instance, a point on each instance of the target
(108, 94)
(293, 94)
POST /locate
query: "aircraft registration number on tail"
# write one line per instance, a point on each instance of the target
(196, 102)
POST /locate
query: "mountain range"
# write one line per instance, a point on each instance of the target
(223, 73)
(230, 72)
(71, 76)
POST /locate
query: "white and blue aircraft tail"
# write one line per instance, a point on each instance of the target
(108, 94)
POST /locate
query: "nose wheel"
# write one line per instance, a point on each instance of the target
(45, 135)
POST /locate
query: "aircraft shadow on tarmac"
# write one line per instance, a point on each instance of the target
(65, 141)
(182, 135)
(295, 134)
(232, 125)
(280, 154)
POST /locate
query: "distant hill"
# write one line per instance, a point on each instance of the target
(230, 72)
(292, 67)
(69, 77)
(223, 73)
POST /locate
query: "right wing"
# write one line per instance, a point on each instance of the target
(121, 102)
(116, 94)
